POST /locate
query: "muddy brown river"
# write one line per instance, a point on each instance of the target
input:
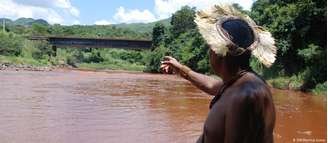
(67, 106)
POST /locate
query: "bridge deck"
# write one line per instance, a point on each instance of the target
(95, 42)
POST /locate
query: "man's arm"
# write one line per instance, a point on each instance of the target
(203, 82)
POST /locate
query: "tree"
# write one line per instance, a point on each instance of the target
(300, 31)
(183, 20)
(154, 59)
(158, 34)
(10, 44)
(182, 41)
(39, 29)
(42, 50)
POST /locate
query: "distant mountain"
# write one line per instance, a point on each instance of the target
(29, 21)
(8, 21)
(143, 27)
(23, 21)
(137, 27)
(41, 21)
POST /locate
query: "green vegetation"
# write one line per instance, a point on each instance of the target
(181, 40)
(143, 27)
(10, 44)
(299, 28)
(117, 65)
(300, 31)
(22, 61)
(16, 49)
(320, 89)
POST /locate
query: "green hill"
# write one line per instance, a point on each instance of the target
(29, 21)
(143, 27)
(135, 27)
(8, 21)
(23, 21)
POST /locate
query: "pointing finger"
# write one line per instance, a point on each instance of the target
(168, 58)
(166, 62)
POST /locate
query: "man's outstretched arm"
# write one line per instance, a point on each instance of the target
(206, 83)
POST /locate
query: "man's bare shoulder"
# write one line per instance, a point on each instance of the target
(250, 116)
(249, 87)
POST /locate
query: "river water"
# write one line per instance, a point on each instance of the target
(67, 106)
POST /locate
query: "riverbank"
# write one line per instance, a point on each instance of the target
(18, 67)
(295, 84)
(110, 66)
(30, 64)
(25, 64)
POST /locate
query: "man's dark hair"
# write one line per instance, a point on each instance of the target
(241, 34)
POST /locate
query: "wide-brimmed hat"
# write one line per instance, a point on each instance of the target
(209, 23)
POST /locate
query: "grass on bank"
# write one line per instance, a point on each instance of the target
(320, 89)
(13, 60)
(295, 83)
(111, 66)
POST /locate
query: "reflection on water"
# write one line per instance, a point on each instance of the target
(80, 106)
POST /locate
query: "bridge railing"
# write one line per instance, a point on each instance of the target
(95, 42)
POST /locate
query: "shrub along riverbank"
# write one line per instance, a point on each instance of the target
(298, 27)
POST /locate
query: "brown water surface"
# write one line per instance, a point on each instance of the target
(98, 107)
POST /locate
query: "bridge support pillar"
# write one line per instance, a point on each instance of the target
(54, 49)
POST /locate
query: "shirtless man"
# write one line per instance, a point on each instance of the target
(242, 110)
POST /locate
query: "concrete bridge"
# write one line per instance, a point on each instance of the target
(76, 42)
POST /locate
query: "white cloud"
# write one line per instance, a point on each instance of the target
(54, 11)
(165, 8)
(76, 22)
(35, 3)
(103, 22)
(62, 3)
(74, 11)
(133, 16)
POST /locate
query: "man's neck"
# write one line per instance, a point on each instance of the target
(229, 75)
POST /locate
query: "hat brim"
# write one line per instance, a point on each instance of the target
(263, 48)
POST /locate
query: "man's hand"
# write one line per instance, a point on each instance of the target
(204, 82)
(170, 64)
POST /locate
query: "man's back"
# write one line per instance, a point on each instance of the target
(244, 114)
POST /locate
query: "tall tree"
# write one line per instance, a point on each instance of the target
(158, 34)
(183, 20)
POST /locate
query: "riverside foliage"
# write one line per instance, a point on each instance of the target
(299, 28)
(14, 43)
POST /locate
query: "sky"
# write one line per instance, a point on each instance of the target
(102, 12)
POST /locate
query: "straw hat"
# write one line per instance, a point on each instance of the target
(209, 23)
